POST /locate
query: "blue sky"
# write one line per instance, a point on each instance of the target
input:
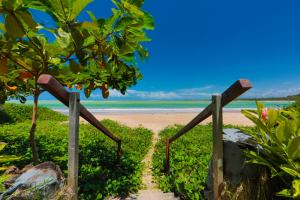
(200, 47)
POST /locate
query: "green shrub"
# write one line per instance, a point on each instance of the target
(13, 113)
(278, 135)
(189, 158)
(295, 105)
(99, 174)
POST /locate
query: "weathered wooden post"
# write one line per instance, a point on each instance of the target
(217, 146)
(73, 149)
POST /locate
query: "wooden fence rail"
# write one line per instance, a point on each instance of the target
(214, 109)
(72, 100)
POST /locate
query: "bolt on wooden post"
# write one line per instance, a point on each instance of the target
(217, 145)
(73, 148)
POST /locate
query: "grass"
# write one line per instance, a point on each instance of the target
(189, 161)
(100, 175)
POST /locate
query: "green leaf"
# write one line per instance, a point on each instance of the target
(77, 37)
(75, 67)
(123, 23)
(281, 133)
(2, 145)
(89, 25)
(89, 41)
(255, 158)
(293, 148)
(284, 193)
(26, 17)
(92, 16)
(8, 158)
(290, 171)
(296, 187)
(58, 9)
(260, 107)
(3, 168)
(126, 49)
(63, 38)
(2, 27)
(272, 117)
(148, 21)
(13, 27)
(134, 10)
(257, 122)
(77, 7)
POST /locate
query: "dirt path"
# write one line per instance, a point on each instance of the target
(147, 178)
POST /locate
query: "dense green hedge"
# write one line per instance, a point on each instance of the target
(189, 160)
(100, 175)
(13, 112)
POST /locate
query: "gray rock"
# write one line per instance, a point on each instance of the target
(39, 182)
(234, 165)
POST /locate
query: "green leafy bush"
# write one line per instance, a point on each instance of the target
(295, 105)
(189, 161)
(6, 158)
(100, 176)
(13, 113)
(278, 135)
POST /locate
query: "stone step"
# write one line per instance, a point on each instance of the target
(149, 195)
(170, 196)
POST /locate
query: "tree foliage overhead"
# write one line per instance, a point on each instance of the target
(97, 53)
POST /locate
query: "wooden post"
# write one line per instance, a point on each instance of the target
(168, 156)
(217, 146)
(73, 149)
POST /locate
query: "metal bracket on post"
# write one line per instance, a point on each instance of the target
(217, 146)
(73, 149)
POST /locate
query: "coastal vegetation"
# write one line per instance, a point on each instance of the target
(189, 161)
(100, 175)
(92, 54)
(15, 113)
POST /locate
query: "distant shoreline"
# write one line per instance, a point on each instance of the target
(119, 107)
(151, 110)
(165, 100)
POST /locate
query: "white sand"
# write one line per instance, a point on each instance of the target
(159, 121)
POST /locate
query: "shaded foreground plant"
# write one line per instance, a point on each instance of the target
(99, 175)
(277, 134)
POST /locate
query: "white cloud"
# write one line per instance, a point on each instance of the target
(280, 92)
(176, 94)
(199, 93)
(152, 94)
(115, 93)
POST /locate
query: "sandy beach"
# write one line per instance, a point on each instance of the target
(159, 121)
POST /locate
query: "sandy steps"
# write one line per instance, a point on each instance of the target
(149, 195)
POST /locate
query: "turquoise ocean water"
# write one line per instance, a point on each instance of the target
(157, 106)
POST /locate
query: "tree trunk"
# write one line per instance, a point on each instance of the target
(35, 156)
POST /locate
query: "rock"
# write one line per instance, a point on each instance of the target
(38, 182)
(13, 172)
(236, 170)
